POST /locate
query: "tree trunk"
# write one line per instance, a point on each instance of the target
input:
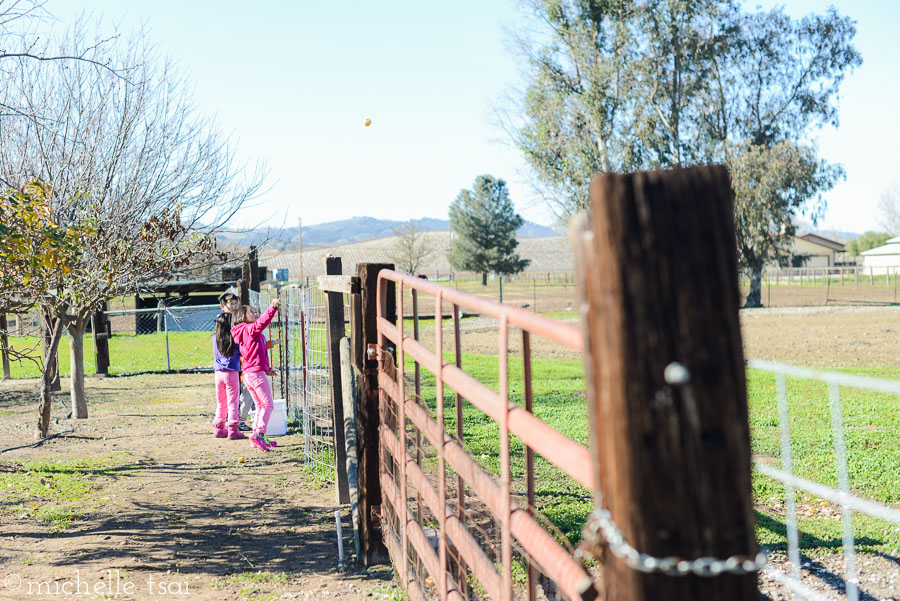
(48, 370)
(484, 278)
(754, 298)
(76, 368)
(47, 318)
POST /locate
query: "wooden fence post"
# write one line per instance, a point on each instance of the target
(243, 292)
(373, 549)
(101, 331)
(665, 379)
(334, 323)
(253, 270)
(4, 346)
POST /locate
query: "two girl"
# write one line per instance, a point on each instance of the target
(246, 332)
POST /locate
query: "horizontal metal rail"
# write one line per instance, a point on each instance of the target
(561, 332)
(555, 447)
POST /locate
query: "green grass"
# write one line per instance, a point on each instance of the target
(258, 577)
(53, 492)
(128, 353)
(559, 401)
(871, 422)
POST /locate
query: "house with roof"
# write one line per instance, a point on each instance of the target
(883, 259)
(812, 250)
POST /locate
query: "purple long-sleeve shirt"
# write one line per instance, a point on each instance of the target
(220, 363)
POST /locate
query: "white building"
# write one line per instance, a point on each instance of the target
(883, 259)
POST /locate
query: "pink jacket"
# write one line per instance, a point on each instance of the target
(250, 338)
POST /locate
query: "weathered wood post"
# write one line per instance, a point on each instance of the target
(100, 328)
(373, 549)
(243, 292)
(4, 346)
(666, 383)
(334, 323)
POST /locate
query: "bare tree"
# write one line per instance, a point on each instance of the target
(412, 249)
(131, 163)
(889, 208)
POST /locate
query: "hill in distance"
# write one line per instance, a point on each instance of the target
(355, 229)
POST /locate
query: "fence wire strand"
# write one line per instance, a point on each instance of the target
(841, 495)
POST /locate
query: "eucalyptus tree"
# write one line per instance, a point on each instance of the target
(642, 84)
(126, 152)
(775, 85)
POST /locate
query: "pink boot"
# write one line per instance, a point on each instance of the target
(219, 430)
(234, 433)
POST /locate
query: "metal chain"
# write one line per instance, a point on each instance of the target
(600, 524)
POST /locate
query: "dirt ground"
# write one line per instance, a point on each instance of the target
(822, 337)
(178, 514)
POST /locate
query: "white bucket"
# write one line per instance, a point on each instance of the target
(277, 425)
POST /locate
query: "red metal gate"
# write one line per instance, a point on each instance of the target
(450, 561)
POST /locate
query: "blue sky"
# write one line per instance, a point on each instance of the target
(294, 81)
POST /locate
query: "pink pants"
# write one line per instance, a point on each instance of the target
(228, 387)
(257, 382)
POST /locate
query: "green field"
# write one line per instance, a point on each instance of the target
(871, 423)
(128, 353)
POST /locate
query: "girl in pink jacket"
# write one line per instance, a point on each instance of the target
(248, 334)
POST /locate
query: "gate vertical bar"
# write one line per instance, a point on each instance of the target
(401, 512)
(460, 485)
(659, 293)
(506, 506)
(418, 385)
(529, 453)
(442, 465)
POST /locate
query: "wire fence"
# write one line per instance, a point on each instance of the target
(294, 357)
(160, 339)
(318, 423)
(824, 481)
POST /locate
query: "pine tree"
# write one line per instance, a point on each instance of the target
(484, 225)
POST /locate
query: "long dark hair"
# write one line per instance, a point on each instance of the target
(240, 314)
(224, 341)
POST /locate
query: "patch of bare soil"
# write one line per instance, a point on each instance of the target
(176, 513)
(878, 578)
(824, 337)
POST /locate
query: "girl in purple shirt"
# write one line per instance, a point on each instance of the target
(227, 367)
(248, 334)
